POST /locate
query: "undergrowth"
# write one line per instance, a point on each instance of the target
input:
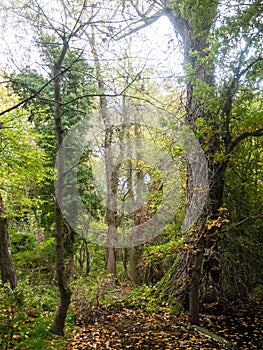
(26, 314)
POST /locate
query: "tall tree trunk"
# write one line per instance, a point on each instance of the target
(192, 264)
(135, 250)
(112, 187)
(111, 210)
(7, 269)
(63, 283)
(134, 188)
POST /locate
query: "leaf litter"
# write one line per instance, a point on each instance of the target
(125, 328)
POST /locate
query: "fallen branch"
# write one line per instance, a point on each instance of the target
(211, 335)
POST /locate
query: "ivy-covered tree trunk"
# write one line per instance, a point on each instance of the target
(193, 21)
(7, 269)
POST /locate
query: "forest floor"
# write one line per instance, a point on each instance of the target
(124, 328)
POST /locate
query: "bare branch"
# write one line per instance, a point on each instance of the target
(147, 21)
(49, 21)
(79, 17)
(35, 95)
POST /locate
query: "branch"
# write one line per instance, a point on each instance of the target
(227, 107)
(49, 21)
(235, 224)
(244, 71)
(243, 136)
(75, 29)
(35, 94)
(147, 21)
(117, 94)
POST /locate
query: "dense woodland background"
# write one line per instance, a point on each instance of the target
(144, 71)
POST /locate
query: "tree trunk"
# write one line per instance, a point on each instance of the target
(134, 270)
(191, 263)
(194, 286)
(7, 269)
(111, 261)
(111, 210)
(112, 218)
(84, 258)
(87, 259)
(137, 214)
(63, 283)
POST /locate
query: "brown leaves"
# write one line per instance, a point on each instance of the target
(128, 329)
(244, 328)
(118, 327)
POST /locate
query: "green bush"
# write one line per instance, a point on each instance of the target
(38, 257)
(21, 242)
(146, 299)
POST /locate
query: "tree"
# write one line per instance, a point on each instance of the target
(63, 283)
(54, 37)
(111, 206)
(7, 269)
(241, 245)
(113, 109)
(194, 22)
(47, 29)
(209, 112)
(19, 170)
(77, 80)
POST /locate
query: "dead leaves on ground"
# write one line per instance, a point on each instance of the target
(244, 328)
(131, 329)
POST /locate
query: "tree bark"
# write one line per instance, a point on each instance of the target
(191, 263)
(111, 210)
(112, 216)
(84, 258)
(7, 269)
(134, 269)
(63, 283)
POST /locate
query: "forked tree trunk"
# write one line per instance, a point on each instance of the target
(7, 269)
